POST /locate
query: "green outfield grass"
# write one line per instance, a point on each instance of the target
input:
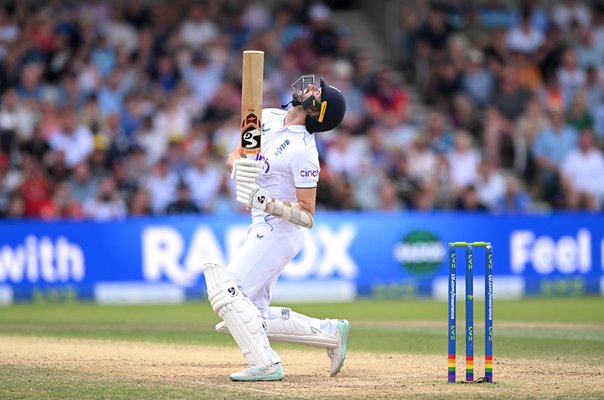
(540, 328)
(378, 325)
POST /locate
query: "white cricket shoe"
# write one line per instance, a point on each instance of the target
(337, 355)
(272, 373)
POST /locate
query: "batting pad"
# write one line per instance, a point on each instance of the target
(240, 315)
(292, 327)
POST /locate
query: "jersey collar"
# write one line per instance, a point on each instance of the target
(297, 128)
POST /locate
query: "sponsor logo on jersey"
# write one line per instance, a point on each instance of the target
(308, 173)
(282, 147)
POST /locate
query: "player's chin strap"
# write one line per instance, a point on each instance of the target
(291, 212)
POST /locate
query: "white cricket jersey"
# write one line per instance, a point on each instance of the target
(291, 161)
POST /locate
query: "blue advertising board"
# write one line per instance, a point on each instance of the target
(346, 255)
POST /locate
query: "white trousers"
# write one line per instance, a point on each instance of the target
(261, 259)
(257, 265)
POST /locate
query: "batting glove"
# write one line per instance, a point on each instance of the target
(245, 170)
(253, 196)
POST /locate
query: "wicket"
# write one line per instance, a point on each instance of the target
(488, 309)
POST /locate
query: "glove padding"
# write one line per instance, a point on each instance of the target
(253, 196)
(246, 170)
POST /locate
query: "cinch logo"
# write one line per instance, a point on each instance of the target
(305, 173)
(420, 252)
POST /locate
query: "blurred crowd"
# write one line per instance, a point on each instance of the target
(115, 109)
(517, 90)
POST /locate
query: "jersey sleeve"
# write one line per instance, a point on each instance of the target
(304, 166)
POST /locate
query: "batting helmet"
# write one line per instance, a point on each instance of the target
(331, 110)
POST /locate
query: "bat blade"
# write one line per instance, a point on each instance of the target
(252, 78)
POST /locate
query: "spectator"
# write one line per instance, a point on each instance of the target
(578, 115)
(81, 184)
(551, 146)
(433, 34)
(532, 121)
(204, 181)
(386, 99)
(406, 185)
(356, 111)
(389, 200)
(183, 203)
(30, 87)
(582, 174)
(446, 83)
(152, 142)
(9, 183)
(140, 203)
(463, 163)
(597, 30)
(111, 94)
(16, 206)
(570, 75)
(107, 204)
(539, 18)
(161, 184)
(120, 32)
(496, 51)
(324, 36)
(490, 184)
(61, 205)
(198, 29)
(468, 200)
(423, 167)
(35, 188)
(343, 158)
(440, 138)
(564, 12)
(588, 54)
(72, 139)
(495, 14)
(507, 105)
(36, 146)
(524, 38)
(17, 121)
(165, 73)
(477, 81)
(464, 116)
(100, 164)
(514, 200)
(378, 153)
(202, 73)
(594, 92)
(171, 121)
(528, 74)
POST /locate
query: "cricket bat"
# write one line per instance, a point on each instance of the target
(252, 78)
